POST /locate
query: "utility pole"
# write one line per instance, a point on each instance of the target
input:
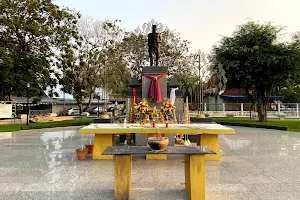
(28, 109)
(64, 103)
(200, 85)
(98, 97)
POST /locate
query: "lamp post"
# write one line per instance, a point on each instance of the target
(98, 97)
(28, 109)
(207, 68)
(201, 66)
(200, 88)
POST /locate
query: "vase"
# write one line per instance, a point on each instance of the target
(90, 147)
(82, 154)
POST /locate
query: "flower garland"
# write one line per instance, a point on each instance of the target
(168, 107)
(142, 107)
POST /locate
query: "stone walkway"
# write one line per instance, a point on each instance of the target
(255, 164)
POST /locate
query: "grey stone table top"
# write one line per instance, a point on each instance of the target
(129, 150)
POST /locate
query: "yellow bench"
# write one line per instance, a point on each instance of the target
(194, 168)
(104, 135)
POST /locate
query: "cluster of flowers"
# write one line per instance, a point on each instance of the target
(168, 108)
(142, 107)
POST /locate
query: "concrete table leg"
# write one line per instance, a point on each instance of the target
(123, 165)
(211, 141)
(197, 177)
(102, 141)
(187, 174)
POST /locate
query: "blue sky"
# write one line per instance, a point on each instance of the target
(202, 22)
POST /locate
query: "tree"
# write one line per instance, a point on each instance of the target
(117, 75)
(289, 94)
(85, 66)
(30, 33)
(253, 58)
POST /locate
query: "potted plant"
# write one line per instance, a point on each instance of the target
(90, 147)
(82, 153)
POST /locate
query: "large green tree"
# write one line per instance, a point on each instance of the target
(253, 58)
(94, 61)
(31, 32)
(289, 94)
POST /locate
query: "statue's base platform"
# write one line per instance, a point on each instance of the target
(154, 70)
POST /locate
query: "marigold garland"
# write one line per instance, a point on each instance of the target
(168, 108)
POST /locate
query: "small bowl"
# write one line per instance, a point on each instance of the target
(157, 143)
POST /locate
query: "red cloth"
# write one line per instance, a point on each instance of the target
(154, 89)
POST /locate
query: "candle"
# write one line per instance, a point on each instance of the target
(90, 140)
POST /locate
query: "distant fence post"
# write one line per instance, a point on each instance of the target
(297, 110)
(205, 107)
(279, 108)
(223, 106)
(242, 109)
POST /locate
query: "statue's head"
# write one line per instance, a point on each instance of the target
(153, 28)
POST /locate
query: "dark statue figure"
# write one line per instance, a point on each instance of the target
(154, 41)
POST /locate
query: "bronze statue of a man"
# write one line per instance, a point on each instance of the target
(154, 41)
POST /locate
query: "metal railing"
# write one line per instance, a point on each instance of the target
(243, 109)
(39, 112)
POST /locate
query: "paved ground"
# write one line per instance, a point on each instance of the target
(255, 164)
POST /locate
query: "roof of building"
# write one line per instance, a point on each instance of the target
(244, 97)
(23, 100)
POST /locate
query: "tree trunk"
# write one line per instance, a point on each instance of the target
(251, 108)
(262, 108)
(79, 103)
(10, 97)
(80, 107)
(89, 103)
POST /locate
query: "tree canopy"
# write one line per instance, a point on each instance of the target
(94, 61)
(253, 57)
(30, 33)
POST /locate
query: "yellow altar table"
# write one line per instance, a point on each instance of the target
(104, 135)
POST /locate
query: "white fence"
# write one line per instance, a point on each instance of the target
(243, 109)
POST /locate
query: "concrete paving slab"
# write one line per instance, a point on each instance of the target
(255, 164)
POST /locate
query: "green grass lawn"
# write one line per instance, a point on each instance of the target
(292, 125)
(18, 127)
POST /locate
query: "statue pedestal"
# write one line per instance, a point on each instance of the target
(141, 139)
(154, 71)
